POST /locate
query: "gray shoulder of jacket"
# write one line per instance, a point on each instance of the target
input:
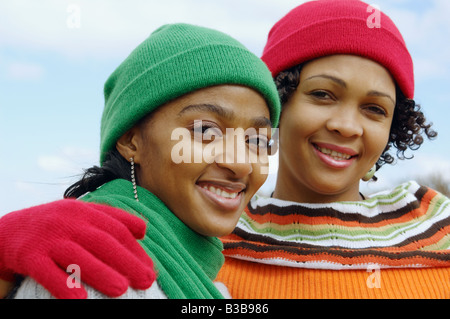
(30, 289)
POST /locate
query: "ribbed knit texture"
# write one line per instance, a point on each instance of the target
(248, 280)
(174, 60)
(326, 27)
(325, 250)
(185, 262)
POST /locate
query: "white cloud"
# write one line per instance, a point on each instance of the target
(428, 165)
(23, 194)
(69, 161)
(112, 28)
(46, 180)
(52, 163)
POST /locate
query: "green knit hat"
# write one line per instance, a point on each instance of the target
(174, 60)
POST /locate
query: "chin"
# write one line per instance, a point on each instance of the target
(216, 230)
(328, 185)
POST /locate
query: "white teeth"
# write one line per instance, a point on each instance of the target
(220, 192)
(333, 154)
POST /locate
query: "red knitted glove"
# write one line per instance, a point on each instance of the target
(42, 241)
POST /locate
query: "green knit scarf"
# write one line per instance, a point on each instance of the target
(185, 262)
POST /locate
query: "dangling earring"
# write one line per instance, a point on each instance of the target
(370, 174)
(133, 179)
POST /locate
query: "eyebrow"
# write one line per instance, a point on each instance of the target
(381, 94)
(260, 121)
(209, 108)
(329, 77)
(344, 85)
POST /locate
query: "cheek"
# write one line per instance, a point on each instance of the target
(377, 139)
(258, 177)
(156, 165)
(294, 133)
(301, 119)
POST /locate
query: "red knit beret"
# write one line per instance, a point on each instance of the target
(326, 27)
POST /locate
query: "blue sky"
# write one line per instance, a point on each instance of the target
(56, 55)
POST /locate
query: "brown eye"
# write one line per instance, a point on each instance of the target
(258, 142)
(206, 131)
(375, 109)
(321, 95)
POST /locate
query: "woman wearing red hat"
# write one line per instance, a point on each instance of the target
(347, 89)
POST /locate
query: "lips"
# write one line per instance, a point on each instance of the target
(335, 156)
(226, 195)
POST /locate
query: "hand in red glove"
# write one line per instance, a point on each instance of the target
(42, 241)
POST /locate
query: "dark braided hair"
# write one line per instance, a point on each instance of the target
(114, 166)
(408, 125)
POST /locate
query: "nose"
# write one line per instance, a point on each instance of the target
(235, 156)
(346, 121)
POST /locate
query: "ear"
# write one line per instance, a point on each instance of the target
(128, 144)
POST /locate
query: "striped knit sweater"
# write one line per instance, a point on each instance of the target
(395, 244)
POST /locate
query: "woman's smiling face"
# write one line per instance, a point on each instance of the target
(208, 193)
(334, 128)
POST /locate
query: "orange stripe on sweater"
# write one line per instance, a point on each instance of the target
(252, 280)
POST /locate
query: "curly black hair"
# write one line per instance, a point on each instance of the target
(408, 125)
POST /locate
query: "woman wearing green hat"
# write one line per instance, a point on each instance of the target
(183, 81)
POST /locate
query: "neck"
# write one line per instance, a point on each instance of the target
(289, 188)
